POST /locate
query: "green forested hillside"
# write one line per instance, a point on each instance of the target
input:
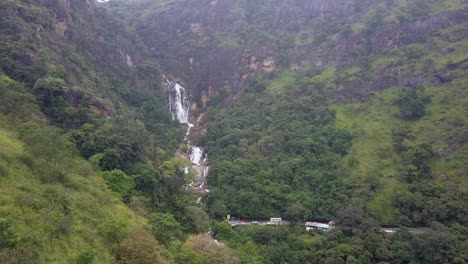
(278, 155)
(352, 111)
(55, 207)
(87, 145)
(393, 142)
(385, 143)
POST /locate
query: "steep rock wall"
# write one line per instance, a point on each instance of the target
(207, 43)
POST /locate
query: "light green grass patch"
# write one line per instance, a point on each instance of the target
(372, 153)
(446, 5)
(284, 80)
(443, 128)
(346, 73)
(384, 60)
(8, 143)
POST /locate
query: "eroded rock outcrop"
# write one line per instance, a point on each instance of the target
(217, 61)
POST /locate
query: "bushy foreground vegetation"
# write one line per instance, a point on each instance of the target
(86, 146)
(57, 207)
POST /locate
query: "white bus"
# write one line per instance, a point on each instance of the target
(276, 221)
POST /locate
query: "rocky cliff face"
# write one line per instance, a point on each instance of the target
(224, 43)
(206, 44)
(78, 38)
(78, 24)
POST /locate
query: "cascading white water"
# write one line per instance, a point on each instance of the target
(179, 104)
(196, 155)
(203, 178)
(205, 172)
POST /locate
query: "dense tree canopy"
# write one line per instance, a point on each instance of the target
(275, 155)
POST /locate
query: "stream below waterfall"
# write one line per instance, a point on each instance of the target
(179, 105)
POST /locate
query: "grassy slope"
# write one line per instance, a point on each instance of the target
(98, 217)
(372, 153)
(371, 123)
(446, 122)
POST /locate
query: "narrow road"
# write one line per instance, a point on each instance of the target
(287, 222)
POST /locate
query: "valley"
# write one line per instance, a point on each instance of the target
(170, 131)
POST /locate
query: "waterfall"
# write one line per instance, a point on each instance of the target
(203, 178)
(205, 172)
(179, 104)
(196, 155)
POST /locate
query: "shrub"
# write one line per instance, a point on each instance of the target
(50, 149)
(415, 51)
(119, 182)
(223, 230)
(8, 237)
(165, 227)
(412, 105)
(3, 171)
(86, 257)
(138, 205)
(188, 255)
(49, 89)
(198, 219)
(16, 256)
(95, 160)
(183, 148)
(416, 161)
(26, 159)
(211, 250)
(15, 100)
(140, 247)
